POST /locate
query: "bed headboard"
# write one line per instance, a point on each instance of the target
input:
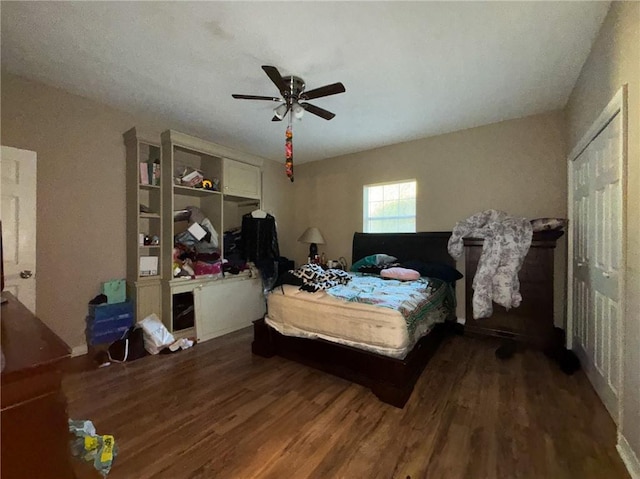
(424, 246)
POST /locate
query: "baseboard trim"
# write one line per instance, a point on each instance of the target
(628, 457)
(79, 350)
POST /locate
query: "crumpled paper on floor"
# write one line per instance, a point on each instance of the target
(91, 447)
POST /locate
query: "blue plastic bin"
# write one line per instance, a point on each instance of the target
(102, 313)
(105, 337)
(107, 323)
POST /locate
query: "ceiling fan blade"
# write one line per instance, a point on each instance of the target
(321, 112)
(255, 97)
(275, 117)
(276, 78)
(326, 90)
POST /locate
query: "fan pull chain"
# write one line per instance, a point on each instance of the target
(288, 150)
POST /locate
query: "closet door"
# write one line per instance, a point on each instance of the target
(597, 260)
(582, 294)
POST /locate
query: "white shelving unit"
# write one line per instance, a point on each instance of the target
(144, 290)
(239, 176)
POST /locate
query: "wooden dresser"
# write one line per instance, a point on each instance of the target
(532, 321)
(35, 433)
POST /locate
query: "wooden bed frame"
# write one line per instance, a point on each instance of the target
(391, 380)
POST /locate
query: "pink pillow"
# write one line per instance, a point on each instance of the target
(403, 274)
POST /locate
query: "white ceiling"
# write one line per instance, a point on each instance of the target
(411, 70)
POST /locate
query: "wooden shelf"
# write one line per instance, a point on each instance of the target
(148, 279)
(188, 280)
(151, 276)
(144, 206)
(241, 200)
(188, 191)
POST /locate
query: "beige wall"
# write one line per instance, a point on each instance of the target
(277, 195)
(81, 193)
(516, 166)
(615, 60)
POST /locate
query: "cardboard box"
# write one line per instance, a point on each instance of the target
(148, 265)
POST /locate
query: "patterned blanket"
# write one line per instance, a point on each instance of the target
(315, 278)
(417, 301)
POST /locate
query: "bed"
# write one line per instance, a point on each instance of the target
(372, 350)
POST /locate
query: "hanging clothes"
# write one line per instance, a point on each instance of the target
(260, 243)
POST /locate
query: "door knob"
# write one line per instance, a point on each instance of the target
(26, 274)
(605, 274)
(580, 264)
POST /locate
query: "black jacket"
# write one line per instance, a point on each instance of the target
(259, 239)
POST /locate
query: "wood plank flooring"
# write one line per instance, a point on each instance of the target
(216, 411)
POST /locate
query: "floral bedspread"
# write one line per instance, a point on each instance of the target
(426, 299)
(506, 243)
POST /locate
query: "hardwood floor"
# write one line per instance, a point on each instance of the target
(216, 411)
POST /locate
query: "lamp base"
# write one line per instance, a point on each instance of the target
(313, 251)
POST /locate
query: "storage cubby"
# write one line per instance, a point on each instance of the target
(234, 211)
(183, 311)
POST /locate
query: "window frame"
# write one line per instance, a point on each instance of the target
(366, 218)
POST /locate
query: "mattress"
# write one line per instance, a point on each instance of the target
(381, 330)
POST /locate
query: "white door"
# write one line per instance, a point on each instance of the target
(581, 284)
(597, 260)
(18, 171)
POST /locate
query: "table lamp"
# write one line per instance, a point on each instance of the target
(312, 236)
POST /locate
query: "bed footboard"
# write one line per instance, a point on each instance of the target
(391, 380)
(263, 344)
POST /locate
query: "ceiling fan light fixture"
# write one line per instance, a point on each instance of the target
(292, 90)
(280, 111)
(298, 111)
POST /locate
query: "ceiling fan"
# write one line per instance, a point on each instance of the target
(293, 95)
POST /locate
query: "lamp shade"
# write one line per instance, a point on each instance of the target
(311, 235)
(297, 110)
(280, 111)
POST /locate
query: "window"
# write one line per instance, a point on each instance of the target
(390, 207)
